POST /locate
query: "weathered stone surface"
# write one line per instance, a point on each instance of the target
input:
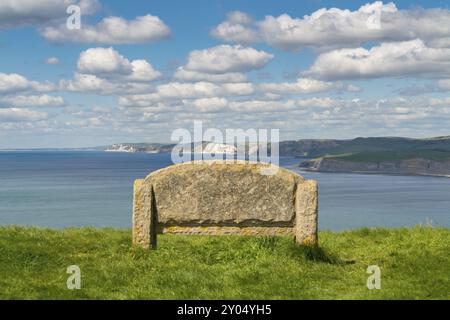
(213, 192)
(141, 214)
(207, 197)
(306, 207)
(217, 230)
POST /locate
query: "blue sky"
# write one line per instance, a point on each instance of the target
(246, 64)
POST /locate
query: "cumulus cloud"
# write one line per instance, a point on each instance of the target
(385, 60)
(342, 28)
(275, 107)
(343, 118)
(187, 75)
(226, 58)
(13, 82)
(317, 102)
(214, 104)
(179, 91)
(111, 30)
(217, 93)
(17, 115)
(259, 106)
(94, 84)
(103, 60)
(328, 27)
(50, 16)
(141, 70)
(15, 13)
(86, 82)
(305, 85)
(238, 89)
(106, 71)
(239, 17)
(107, 62)
(237, 28)
(32, 101)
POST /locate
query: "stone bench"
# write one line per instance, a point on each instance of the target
(224, 197)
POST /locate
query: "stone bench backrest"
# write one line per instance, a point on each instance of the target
(224, 197)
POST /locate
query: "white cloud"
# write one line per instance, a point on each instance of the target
(141, 70)
(85, 82)
(305, 85)
(327, 27)
(236, 29)
(15, 13)
(343, 118)
(105, 71)
(17, 115)
(111, 30)
(342, 28)
(238, 89)
(225, 59)
(13, 82)
(257, 106)
(32, 101)
(274, 107)
(178, 91)
(317, 102)
(103, 61)
(239, 17)
(51, 61)
(386, 60)
(233, 110)
(107, 62)
(92, 83)
(186, 75)
(210, 104)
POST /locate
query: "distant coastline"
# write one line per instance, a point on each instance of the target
(414, 166)
(374, 155)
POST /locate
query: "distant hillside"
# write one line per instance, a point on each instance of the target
(309, 147)
(386, 155)
(319, 148)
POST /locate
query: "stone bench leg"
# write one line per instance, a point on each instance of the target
(144, 215)
(306, 209)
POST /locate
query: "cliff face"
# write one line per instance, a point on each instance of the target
(417, 166)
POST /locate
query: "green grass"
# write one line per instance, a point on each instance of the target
(381, 148)
(379, 156)
(414, 262)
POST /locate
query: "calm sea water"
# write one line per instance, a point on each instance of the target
(61, 189)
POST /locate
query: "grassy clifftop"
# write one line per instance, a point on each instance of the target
(414, 264)
(384, 148)
(379, 156)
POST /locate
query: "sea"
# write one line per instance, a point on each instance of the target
(60, 189)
